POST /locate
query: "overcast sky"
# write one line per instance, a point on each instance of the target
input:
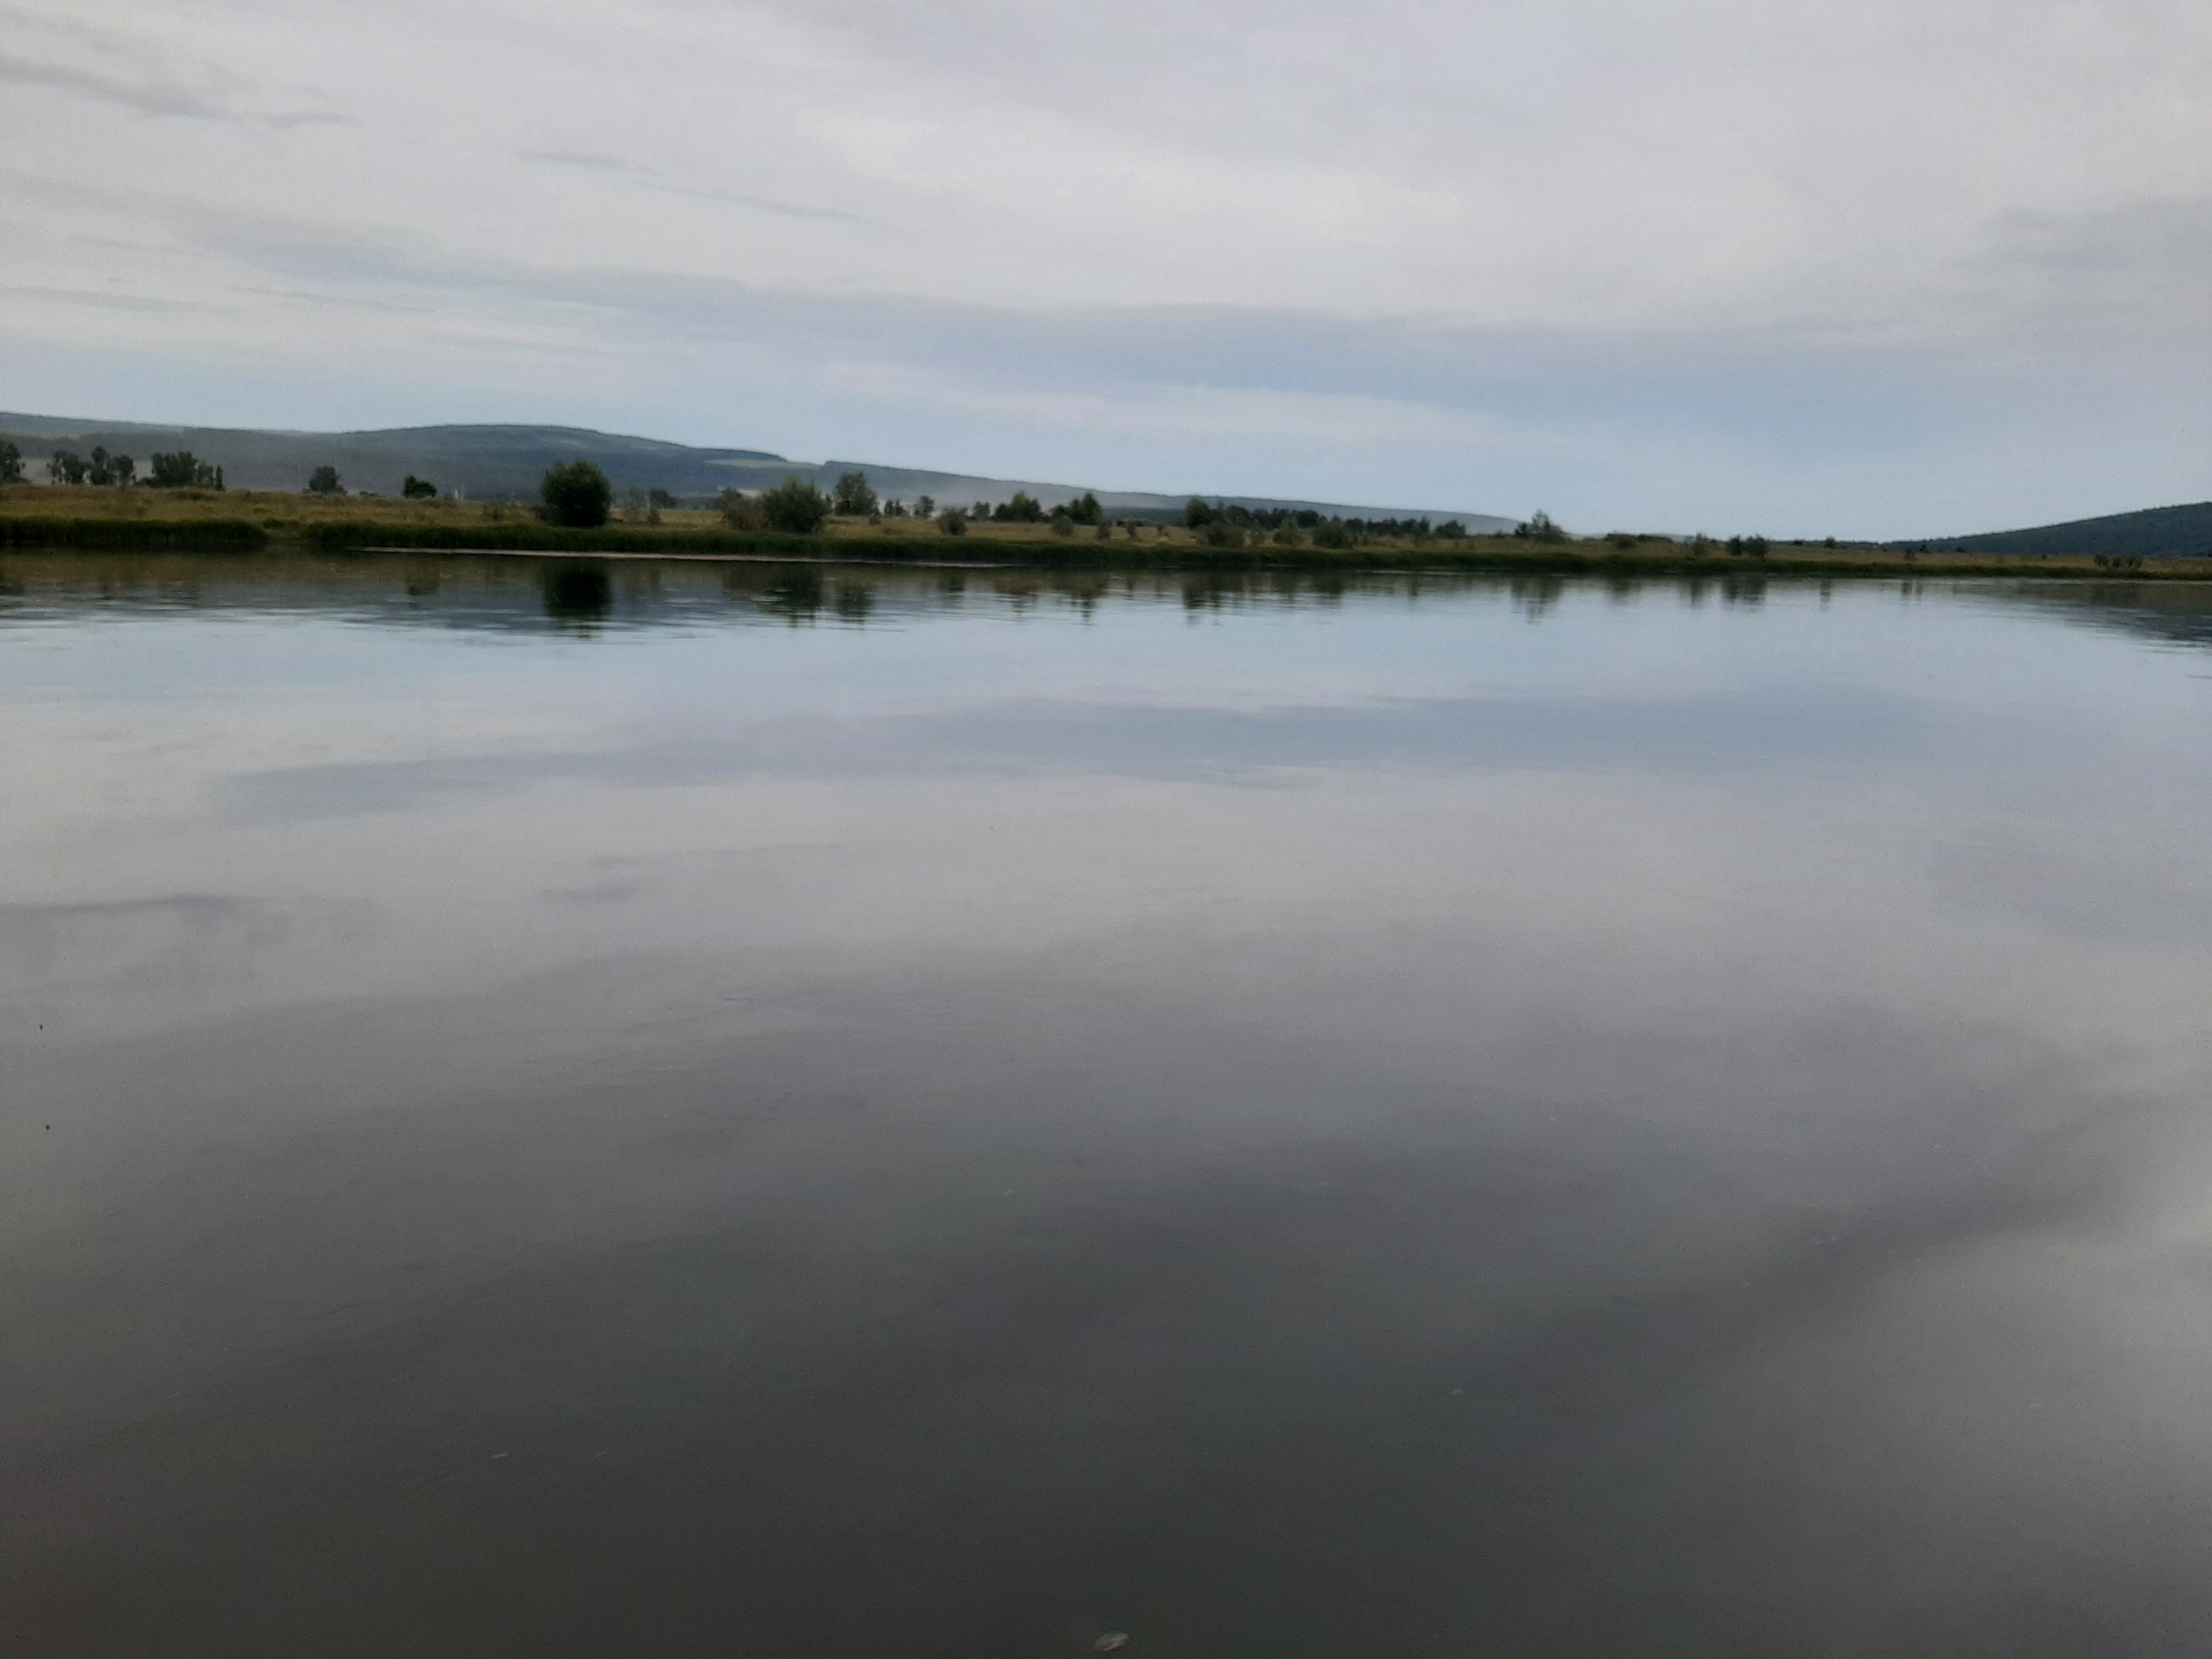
(1875, 268)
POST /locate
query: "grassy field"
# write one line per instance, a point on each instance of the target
(90, 518)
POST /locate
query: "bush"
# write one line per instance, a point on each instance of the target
(1063, 525)
(576, 493)
(953, 524)
(1223, 535)
(1332, 535)
(1286, 536)
(418, 489)
(741, 511)
(795, 507)
(325, 482)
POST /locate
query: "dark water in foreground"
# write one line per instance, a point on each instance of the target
(853, 1114)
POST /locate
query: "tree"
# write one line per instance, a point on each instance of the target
(66, 467)
(1539, 527)
(924, 508)
(418, 489)
(1196, 515)
(658, 497)
(1086, 510)
(1025, 508)
(576, 493)
(325, 482)
(182, 470)
(796, 506)
(854, 498)
(11, 463)
(106, 469)
(1333, 534)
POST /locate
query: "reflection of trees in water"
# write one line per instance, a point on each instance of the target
(2178, 613)
(1748, 591)
(577, 594)
(484, 593)
(1535, 597)
(796, 594)
(1206, 593)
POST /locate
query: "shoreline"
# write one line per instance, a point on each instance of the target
(1475, 555)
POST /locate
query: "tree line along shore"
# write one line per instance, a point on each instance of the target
(581, 513)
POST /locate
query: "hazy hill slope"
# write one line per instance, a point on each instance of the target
(2155, 533)
(493, 461)
(477, 460)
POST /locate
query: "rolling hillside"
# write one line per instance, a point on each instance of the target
(2155, 533)
(491, 462)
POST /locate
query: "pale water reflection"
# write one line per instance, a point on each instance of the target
(765, 1110)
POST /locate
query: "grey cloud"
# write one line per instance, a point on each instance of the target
(570, 158)
(152, 96)
(765, 204)
(1706, 378)
(147, 97)
(652, 179)
(2142, 261)
(109, 302)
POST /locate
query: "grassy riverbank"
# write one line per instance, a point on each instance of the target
(249, 522)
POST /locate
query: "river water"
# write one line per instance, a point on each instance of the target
(771, 1110)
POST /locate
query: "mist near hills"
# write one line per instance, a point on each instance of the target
(495, 462)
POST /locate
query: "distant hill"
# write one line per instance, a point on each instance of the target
(482, 462)
(493, 462)
(2155, 533)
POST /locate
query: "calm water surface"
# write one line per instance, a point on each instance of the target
(801, 1112)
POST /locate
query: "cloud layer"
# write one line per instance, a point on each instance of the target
(1892, 269)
